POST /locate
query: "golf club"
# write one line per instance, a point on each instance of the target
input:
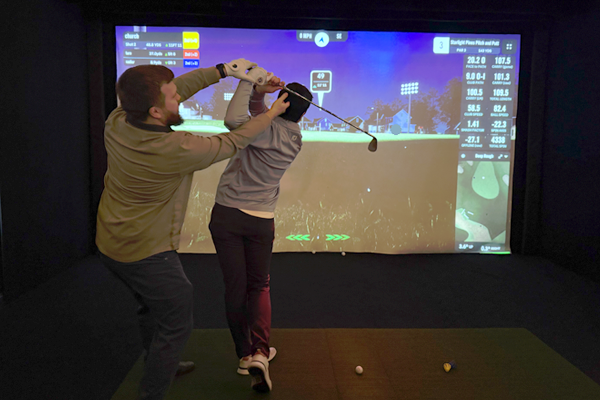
(372, 144)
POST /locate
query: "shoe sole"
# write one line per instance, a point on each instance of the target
(259, 382)
(183, 371)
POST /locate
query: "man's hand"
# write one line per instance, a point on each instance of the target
(278, 107)
(272, 85)
(237, 69)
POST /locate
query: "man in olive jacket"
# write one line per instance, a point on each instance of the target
(146, 189)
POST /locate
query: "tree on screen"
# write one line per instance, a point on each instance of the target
(425, 111)
(379, 109)
(449, 103)
(206, 108)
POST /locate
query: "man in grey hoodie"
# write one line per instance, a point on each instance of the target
(242, 221)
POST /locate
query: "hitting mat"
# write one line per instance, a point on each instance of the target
(315, 364)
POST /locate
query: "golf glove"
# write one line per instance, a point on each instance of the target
(237, 69)
(260, 76)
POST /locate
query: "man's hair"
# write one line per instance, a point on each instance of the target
(138, 89)
(298, 105)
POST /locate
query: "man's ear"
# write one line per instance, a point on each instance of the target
(300, 119)
(155, 112)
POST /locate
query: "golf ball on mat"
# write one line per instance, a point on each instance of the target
(359, 370)
(314, 252)
(343, 253)
(449, 365)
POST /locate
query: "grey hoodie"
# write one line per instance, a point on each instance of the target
(251, 179)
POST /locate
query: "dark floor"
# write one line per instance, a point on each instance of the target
(399, 364)
(75, 337)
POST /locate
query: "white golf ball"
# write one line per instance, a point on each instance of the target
(343, 253)
(314, 252)
(359, 370)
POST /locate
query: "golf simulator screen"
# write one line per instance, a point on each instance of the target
(441, 105)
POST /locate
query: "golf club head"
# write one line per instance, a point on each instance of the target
(373, 145)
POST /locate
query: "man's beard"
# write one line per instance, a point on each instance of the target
(174, 119)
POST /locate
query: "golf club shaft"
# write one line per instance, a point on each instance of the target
(351, 124)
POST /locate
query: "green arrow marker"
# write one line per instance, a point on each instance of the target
(298, 237)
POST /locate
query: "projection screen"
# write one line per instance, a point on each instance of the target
(442, 106)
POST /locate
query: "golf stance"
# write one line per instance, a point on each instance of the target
(242, 221)
(146, 188)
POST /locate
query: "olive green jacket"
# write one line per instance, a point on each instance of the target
(149, 175)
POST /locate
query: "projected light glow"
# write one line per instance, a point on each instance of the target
(442, 106)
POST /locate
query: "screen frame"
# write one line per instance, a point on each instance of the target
(533, 30)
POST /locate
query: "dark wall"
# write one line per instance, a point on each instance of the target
(47, 220)
(561, 216)
(44, 162)
(570, 232)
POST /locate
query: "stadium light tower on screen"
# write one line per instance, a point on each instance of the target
(409, 89)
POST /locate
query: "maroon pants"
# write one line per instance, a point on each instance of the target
(244, 246)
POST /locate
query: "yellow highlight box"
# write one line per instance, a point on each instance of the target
(191, 40)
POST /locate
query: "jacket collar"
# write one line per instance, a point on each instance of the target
(149, 127)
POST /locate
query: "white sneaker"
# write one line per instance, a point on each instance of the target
(245, 362)
(259, 369)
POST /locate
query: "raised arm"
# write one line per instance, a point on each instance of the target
(200, 152)
(257, 103)
(237, 110)
(257, 99)
(190, 83)
(248, 98)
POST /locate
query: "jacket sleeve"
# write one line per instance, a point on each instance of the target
(190, 83)
(200, 152)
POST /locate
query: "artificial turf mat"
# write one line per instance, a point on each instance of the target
(316, 364)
